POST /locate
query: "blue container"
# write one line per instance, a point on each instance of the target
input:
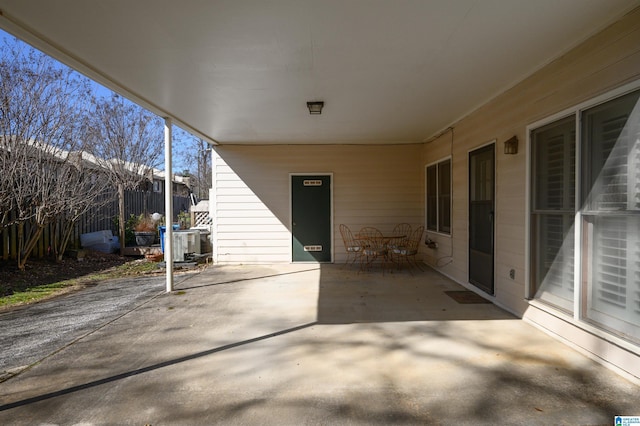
(163, 229)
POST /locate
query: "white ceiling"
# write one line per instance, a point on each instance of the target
(241, 71)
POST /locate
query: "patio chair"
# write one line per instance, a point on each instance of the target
(400, 229)
(410, 250)
(373, 247)
(351, 246)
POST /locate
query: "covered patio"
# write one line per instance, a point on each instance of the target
(315, 344)
(435, 114)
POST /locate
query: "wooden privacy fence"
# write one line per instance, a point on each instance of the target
(96, 219)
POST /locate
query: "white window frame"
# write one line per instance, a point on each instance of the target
(576, 318)
(426, 197)
(529, 286)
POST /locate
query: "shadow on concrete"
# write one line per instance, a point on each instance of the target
(149, 368)
(259, 273)
(380, 350)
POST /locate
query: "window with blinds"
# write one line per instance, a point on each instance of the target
(432, 198)
(438, 197)
(444, 197)
(608, 234)
(553, 149)
(611, 195)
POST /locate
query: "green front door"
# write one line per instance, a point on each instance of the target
(311, 218)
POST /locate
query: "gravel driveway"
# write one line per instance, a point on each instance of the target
(30, 333)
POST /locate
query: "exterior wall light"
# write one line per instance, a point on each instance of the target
(315, 107)
(511, 146)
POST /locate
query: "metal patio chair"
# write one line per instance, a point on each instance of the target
(408, 252)
(351, 246)
(373, 247)
(403, 229)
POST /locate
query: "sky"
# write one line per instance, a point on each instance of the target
(181, 138)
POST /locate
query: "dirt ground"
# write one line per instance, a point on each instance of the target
(47, 271)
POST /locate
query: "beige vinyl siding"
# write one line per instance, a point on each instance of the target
(603, 62)
(244, 229)
(372, 186)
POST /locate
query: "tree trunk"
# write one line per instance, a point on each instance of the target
(62, 234)
(29, 244)
(123, 220)
(56, 236)
(20, 238)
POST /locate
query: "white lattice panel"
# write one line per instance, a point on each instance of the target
(202, 218)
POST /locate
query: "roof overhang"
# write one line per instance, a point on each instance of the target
(241, 71)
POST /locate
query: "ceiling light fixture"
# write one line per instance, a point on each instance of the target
(315, 107)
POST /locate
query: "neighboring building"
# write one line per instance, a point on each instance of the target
(551, 233)
(155, 177)
(181, 184)
(147, 197)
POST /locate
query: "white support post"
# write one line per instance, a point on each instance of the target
(168, 204)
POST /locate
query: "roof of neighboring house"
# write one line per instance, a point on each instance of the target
(93, 161)
(161, 175)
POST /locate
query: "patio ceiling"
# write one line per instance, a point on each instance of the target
(241, 71)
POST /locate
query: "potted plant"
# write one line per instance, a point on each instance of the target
(145, 230)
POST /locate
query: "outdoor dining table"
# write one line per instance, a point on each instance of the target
(384, 238)
(381, 242)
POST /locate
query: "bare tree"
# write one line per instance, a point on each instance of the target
(6, 172)
(82, 187)
(195, 156)
(128, 141)
(42, 106)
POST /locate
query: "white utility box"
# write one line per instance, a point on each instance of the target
(185, 243)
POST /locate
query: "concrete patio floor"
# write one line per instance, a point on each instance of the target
(309, 344)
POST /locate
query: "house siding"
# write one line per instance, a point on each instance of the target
(372, 186)
(606, 61)
(244, 229)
